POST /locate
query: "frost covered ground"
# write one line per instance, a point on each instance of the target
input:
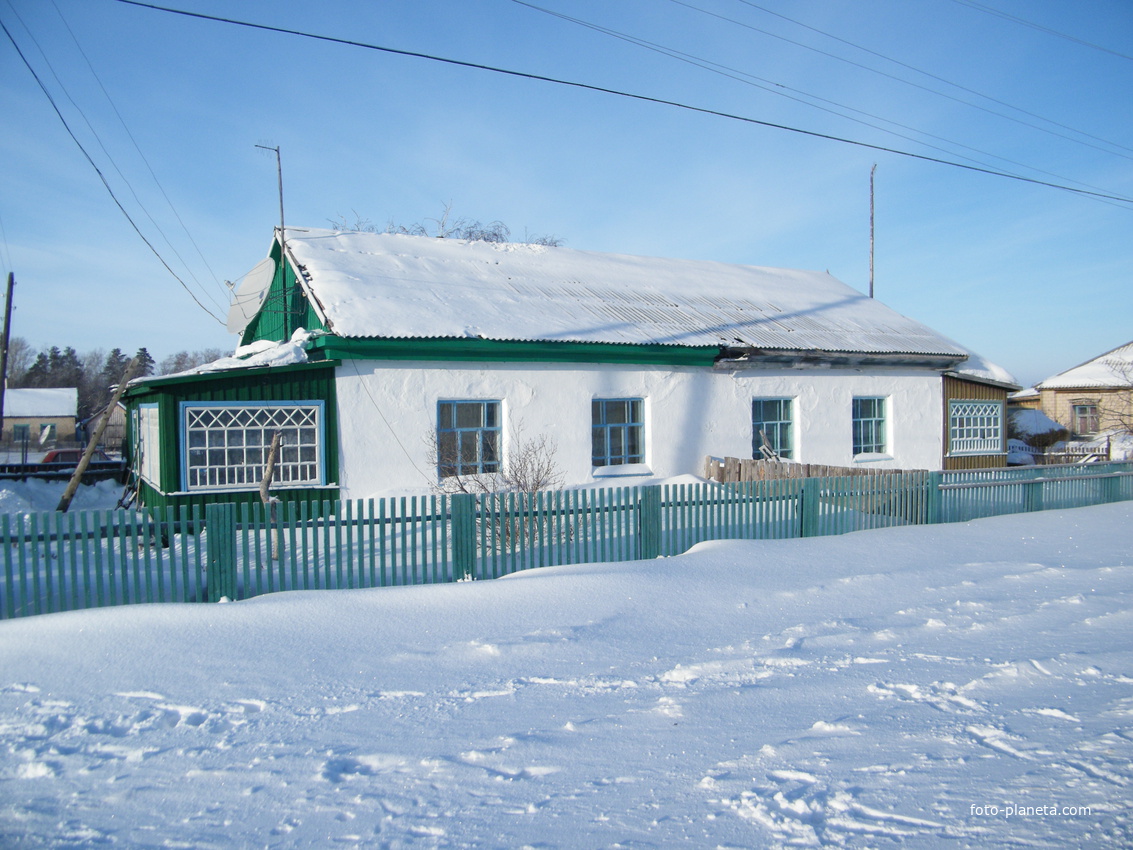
(951, 686)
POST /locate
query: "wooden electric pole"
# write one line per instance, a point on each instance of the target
(4, 344)
(77, 476)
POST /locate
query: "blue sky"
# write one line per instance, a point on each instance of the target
(1035, 278)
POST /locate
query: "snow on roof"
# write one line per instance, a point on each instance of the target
(52, 401)
(397, 286)
(978, 368)
(1112, 369)
(254, 355)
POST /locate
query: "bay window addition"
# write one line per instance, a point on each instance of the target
(617, 432)
(468, 438)
(226, 446)
(869, 426)
(771, 425)
(975, 427)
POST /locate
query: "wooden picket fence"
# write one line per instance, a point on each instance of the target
(57, 562)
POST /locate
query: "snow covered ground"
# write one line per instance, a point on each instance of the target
(953, 686)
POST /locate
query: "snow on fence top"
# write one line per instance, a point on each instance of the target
(397, 286)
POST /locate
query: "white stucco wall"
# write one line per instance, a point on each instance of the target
(387, 410)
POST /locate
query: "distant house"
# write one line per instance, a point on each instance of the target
(1095, 397)
(391, 363)
(40, 417)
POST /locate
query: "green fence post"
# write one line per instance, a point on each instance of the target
(463, 506)
(649, 523)
(220, 523)
(808, 507)
(1033, 493)
(934, 498)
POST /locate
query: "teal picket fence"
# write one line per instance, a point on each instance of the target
(58, 562)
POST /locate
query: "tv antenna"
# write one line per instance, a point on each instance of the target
(871, 172)
(279, 172)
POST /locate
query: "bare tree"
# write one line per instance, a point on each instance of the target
(530, 465)
(445, 226)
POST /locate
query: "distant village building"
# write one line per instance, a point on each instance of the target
(1094, 397)
(391, 363)
(40, 418)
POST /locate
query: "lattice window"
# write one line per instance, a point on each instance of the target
(617, 431)
(869, 426)
(227, 446)
(771, 418)
(975, 427)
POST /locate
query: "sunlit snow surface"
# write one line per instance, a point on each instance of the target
(901, 687)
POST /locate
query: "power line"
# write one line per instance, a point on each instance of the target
(1024, 22)
(98, 171)
(910, 82)
(138, 148)
(630, 95)
(803, 97)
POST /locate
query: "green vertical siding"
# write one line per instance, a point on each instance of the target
(279, 384)
(285, 307)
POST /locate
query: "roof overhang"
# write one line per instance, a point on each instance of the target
(754, 358)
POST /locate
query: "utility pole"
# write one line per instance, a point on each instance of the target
(871, 171)
(84, 461)
(4, 344)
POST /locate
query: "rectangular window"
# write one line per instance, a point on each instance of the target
(226, 446)
(147, 444)
(21, 433)
(468, 438)
(771, 427)
(617, 431)
(869, 426)
(975, 427)
(1085, 419)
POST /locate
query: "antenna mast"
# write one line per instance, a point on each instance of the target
(871, 171)
(282, 238)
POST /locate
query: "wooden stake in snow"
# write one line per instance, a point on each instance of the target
(77, 477)
(269, 502)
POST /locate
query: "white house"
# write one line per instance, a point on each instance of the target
(418, 358)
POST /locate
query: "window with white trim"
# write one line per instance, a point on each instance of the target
(147, 443)
(975, 427)
(617, 431)
(869, 426)
(468, 438)
(771, 420)
(226, 445)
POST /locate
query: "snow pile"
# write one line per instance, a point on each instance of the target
(256, 354)
(942, 686)
(1032, 423)
(35, 495)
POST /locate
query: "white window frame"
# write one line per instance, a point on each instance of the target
(622, 442)
(147, 444)
(237, 437)
(975, 427)
(877, 442)
(476, 449)
(781, 437)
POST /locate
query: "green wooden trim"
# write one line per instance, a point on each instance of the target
(251, 375)
(513, 351)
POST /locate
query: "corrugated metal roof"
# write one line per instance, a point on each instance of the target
(1112, 369)
(393, 286)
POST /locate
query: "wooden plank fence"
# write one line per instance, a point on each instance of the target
(58, 562)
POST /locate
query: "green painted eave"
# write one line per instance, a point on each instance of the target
(148, 385)
(512, 351)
